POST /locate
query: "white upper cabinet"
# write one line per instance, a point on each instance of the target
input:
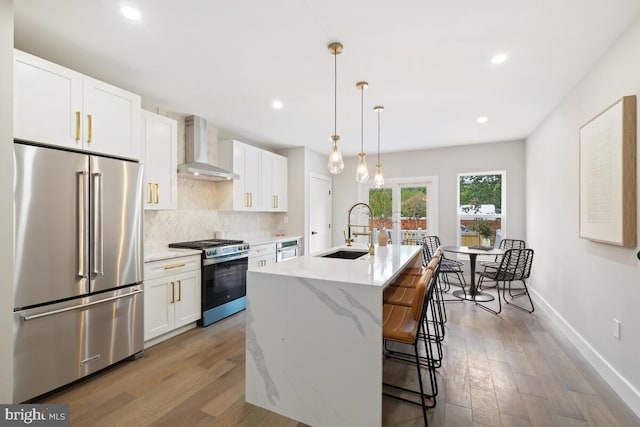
(45, 102)
(274, 182)
(57, 106)
(242, 194)
(160, 136)
(112, 118)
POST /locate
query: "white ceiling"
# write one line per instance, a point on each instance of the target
(427, 62)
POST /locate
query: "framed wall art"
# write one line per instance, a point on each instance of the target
(608, 175)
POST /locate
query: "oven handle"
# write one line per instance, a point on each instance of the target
(225, 258)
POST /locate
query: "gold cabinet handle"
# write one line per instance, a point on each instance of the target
(250, 200)
(90, 137)
(77, 126)
(157, 193)
(173, 293)
(273, 201)
(169, 267)
(150, 194)
(179, 290)
(277, 201)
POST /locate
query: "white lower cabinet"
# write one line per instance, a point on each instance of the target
(262, 254)
(172, 289)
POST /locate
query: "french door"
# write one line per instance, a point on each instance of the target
(407, 209)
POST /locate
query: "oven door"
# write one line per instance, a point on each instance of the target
(223, 280)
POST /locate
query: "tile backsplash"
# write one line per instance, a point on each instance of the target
(196, 217)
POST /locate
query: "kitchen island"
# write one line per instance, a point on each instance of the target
(314, 335)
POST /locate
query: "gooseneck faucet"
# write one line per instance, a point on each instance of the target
(348, 239)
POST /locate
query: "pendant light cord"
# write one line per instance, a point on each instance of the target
(378, 136)
(335, 93)
(362, 119)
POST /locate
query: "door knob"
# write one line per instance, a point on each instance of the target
(314, 233)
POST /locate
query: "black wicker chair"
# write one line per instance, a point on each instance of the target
(514, 266)
(504, 244)
(448, 267)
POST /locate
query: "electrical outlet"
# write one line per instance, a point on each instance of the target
(616, 329)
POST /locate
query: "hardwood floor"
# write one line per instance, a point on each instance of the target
(514, 369)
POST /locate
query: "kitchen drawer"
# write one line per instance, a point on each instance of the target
(171, 266)
(261, 250)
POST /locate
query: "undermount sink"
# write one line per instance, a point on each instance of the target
(345, 254)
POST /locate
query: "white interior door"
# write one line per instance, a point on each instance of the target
(319, 233)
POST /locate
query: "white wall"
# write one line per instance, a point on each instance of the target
(445, 163)
(585, 284)
(6, 194)
(301, 163)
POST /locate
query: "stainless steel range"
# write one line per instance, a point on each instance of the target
(224, 277)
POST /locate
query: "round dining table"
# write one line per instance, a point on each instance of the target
(474, 294)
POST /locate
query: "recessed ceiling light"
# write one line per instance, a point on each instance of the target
(277, 105)
(482, 119)
(499, 58)
(131, 13)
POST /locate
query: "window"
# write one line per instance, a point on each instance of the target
(405, 208)
(481, 213)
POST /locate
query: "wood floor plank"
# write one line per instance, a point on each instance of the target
(510, 403)
(457, 416)
(509, 421)
(540, 412)
(484, 407)
(502, 375)
(594, 410)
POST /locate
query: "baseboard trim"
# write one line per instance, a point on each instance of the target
(623, 388)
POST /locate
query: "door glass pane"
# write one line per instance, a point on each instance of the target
(413, 214)
(381, 202)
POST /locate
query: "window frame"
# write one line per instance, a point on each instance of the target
(503, 202)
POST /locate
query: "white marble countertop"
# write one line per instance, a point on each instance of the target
(372, 270)
(160, 254)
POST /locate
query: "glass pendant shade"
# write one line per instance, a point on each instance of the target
(362, 172)
(335, 164)
(378, 180)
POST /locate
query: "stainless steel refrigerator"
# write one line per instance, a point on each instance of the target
(78, 294)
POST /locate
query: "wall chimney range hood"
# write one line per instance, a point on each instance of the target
(196, 165)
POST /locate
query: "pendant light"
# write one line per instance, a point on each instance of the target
(362, 172)
(335, 163)
(378, 180)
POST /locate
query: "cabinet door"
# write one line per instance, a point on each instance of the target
(267, 189)
(252, 177)
(246, 190)
(280, 184)
(274, 182)
(111, 119)
(188, 291)
(160, 171)
(158, 309)
(47, 102)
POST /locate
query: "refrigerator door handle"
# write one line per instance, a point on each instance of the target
(75, 307)
(98, 267)
(82, 212)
